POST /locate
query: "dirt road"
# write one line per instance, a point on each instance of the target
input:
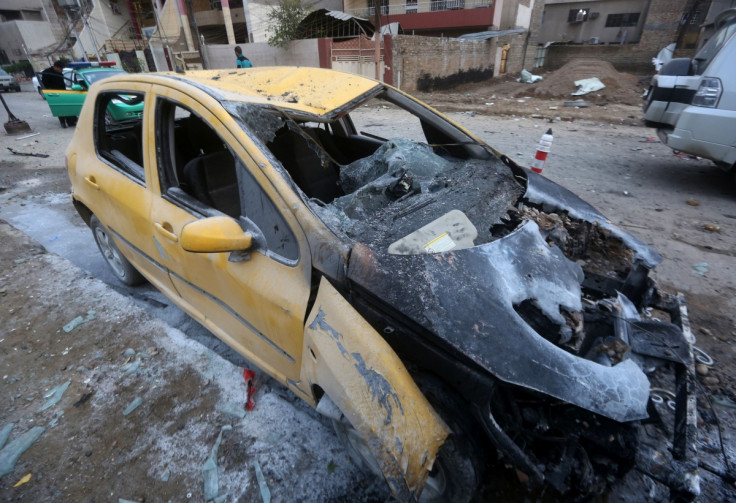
(133, 344)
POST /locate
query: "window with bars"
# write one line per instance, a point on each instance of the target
(622, 20)
(372, 7)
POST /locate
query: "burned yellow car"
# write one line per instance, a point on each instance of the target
(441, 304)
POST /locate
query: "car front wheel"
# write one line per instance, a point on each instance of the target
(123, 270)
(457, 469)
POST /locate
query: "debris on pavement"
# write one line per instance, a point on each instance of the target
(27, 154)
(265, 492)
(22, 481)
(586, 86)
(250, 389)
(526, 77)
(133, 405)
(692, 202)
(79, 320)
(701, 268)
(54, 396)
(712, 227)
(231, 409)
(209, 469)
(11, 452)
(577, 103)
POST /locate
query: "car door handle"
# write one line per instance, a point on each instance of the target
(166, 230)
(91, 182)
(51, 94)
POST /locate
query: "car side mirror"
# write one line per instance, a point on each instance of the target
(77, 87)
(215, 235)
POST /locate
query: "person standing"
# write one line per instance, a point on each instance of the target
(53, 78)
(240, 60)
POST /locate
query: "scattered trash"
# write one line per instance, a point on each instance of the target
(543, 148)
(526, 77)
(265, 492)
(249, 375)
(273, 438)
(220, 499)
(11, 452)
(331, 466)
(231, 409)
(133, 405)
(131, 368)
(712, 228)
(121, 500)
(650, 139)
(586, 86)
(577, 103)
(23, 480)
(209, 469)
(78, 321)
(55, 395)
(703, 357)
(84, 398)
(5, 433)
(724, 401)
(490, 104)
(663, 57)
(57, 415)
(601, 104)
(166, 475)
(693, 202)
(553, 108)
(28, 136)
(27, 154)
(129, 352)
(701, 268)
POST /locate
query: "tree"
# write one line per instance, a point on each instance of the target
(284, 18)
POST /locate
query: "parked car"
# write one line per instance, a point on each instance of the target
(440, 303)
(8, 82)
(692, 103)
(79, 77)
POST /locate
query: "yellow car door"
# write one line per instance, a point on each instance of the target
(254, 300)
(110, 175)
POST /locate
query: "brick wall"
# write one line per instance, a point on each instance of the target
(662, 23)
(439, 62)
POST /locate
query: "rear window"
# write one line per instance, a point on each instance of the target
(712, 47)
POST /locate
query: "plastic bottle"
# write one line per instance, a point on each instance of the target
(545, 144)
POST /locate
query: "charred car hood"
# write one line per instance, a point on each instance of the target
(467, 298)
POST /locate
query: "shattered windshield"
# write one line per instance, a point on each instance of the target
(393, 182)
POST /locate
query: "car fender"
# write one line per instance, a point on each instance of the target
(367, 381)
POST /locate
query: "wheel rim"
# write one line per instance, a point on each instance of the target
(436, 484)
(434, 487)
(109, 252)
(359, 449)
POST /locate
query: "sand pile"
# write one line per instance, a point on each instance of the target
(620, 87)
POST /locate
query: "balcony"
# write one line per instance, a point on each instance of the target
(420, 7)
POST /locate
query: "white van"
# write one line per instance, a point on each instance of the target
(692, 103)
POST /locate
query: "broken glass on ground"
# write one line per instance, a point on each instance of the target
(12, 451)
(209, 469)
(55, 395)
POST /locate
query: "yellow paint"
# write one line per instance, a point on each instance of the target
(23, 480)
(214, 235)
(311, 90)
(367, 381)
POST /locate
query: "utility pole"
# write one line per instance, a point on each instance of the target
(377, 35)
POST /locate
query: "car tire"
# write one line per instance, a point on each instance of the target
(121, 268)
(457, 470)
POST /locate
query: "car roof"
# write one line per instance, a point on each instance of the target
(311, 90)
